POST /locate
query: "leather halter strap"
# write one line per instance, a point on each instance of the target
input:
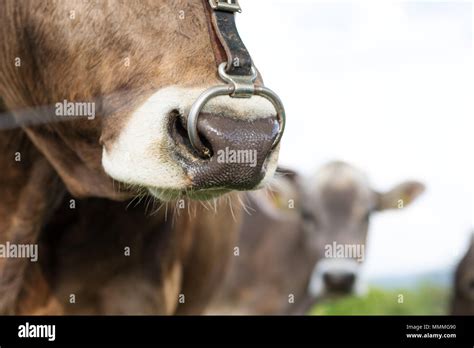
(235, 67)
(228, 47)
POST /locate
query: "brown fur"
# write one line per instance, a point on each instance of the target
(280, 247)
(59, 54)
(275, 260)
(82, 249)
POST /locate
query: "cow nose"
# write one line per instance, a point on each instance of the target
(238, 151)
(342, 282)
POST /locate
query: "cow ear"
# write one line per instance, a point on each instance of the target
(288, 174)
(400, 196)
(284, 192)
(282, 201)
(281, 197)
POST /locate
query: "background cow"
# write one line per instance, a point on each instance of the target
(141, 65)
(463, 302)
(282, 265)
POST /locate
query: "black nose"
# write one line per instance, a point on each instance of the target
(238, 152)
(341, 282)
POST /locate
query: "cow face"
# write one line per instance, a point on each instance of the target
(464, 284)
(338, 208)
(141, 65)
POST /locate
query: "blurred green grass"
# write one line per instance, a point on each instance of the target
(425, 299)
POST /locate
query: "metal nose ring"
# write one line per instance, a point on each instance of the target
(237, 87)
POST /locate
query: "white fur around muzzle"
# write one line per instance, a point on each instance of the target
(317, 288)
(141, 155)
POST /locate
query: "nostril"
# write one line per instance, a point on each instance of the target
(339, 281)
(239, 149)
(180, 134)
(207, 144)
(350, 278)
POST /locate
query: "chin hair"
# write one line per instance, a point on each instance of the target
(167, 195)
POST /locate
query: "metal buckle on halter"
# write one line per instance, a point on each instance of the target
(226, 5)
(237, 87)
(243, 86)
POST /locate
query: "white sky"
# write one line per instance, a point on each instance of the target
(387, 86)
